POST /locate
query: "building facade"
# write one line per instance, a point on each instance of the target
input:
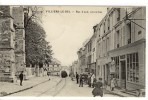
(18, 15)
(82, 60)
(118, 43)
(92, 59)
(12, 43)
(121, 47)
(76, 68)
(54, 67)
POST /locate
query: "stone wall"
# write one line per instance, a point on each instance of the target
(7, 36)
(12, 42)
(18, 15)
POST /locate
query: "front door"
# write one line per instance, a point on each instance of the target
(123, 74)
(108, 74)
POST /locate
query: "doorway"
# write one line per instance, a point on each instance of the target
(123, 74)
(107, 74)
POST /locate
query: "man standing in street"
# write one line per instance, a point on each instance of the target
(21, 78)
(77, 77)
(81, 81)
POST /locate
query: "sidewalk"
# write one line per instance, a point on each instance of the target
(118, 92)
(7, 88)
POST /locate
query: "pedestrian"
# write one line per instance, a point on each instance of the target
(21, 78)
(112, 86)
(72, 77)
(81, 81)
(48, 73)
(89, 80)
(105, 84)
(77, 77)
(92, 79)
(98, 91)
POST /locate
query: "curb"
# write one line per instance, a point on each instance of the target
(23, 89)
(110, 92)
(121, 95)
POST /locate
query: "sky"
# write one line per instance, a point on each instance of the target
(67, 31)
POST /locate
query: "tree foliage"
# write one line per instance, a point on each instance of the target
(32, 13)
(38, 50)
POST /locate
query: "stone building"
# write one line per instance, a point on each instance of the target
(18, 15)
(82, 60)
(119, 44)
(12, 42)
(7, 44)
(87, 55)
(92, 64)
(121, 47)
(76, 68)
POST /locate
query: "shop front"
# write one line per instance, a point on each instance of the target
(129, 62)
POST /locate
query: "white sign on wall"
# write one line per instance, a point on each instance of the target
(112, 67)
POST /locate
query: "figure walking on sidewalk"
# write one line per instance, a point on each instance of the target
(112, 86)
(21, 78)
(77, 77)
(81, 81)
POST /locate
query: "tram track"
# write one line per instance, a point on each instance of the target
(61, 88)
(53, 91)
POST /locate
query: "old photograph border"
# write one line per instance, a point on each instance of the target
(105, 2)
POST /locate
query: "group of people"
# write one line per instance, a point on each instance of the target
(90, 79)
(80, 79)
(92, 82)
(98, 85)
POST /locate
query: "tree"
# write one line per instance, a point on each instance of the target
(38, 50)
(32, 13)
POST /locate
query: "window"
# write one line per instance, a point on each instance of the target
(89, 59)
(118, 14)
(108, 23)
(118, 38)
(103, 47)
(99, 51)
(108, 44)
(93, 49)
(99, 32)
(90, 46)
(132, 67)
(129, 32)
(104, 26)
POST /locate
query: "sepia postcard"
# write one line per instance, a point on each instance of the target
(72, 51)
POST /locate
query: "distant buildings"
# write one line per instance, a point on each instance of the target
(54, 67)
(74, 68)
(117, 48)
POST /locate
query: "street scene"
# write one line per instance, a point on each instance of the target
(72, 51)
